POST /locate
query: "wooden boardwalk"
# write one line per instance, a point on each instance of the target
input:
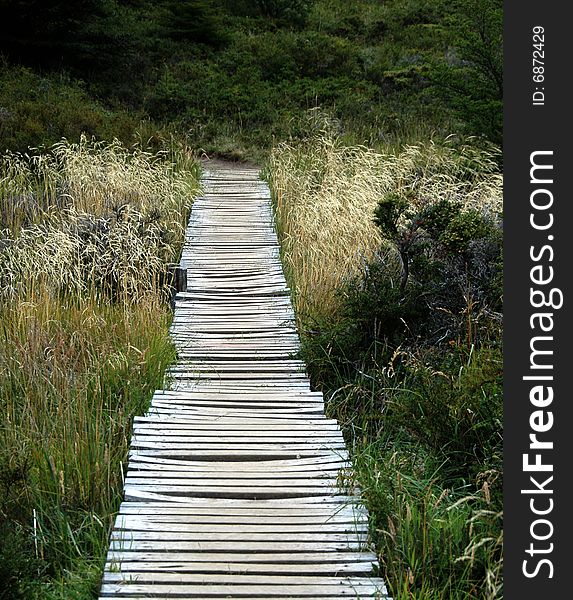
(233, 488)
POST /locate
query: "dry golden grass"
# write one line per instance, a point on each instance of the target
(325, 194)
(91, 216)
(85, 234)
(71, 378)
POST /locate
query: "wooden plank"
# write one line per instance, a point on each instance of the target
(271, 559)
(274, 433)
(229, 438)
(242, 485)
(236, 503)
(239, 366)
(241, 491)
(328, 466)
(261, 411)
(265, 509)
(322, 505)
(234, 535)
(233, 454)
(252, 394)
(173, 472)
(348, 590)
(277, 594)
(265, 408)
(159, 427)
(230, 546)
(188, 413)
(252, 519)
(139, 523)
(232, 488)
(236, 411)
(230, 445)
(237, 579)
(173, 565)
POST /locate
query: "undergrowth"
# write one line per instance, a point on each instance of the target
(395, 264)
(87, 231)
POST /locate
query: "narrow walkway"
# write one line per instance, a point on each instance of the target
(233, 483)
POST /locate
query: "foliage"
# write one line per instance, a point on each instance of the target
(471, 81)
(287, 11)
(83, 344)
(391, 245)
(242, 74)
(37, 110)
(193, 21)
(72, 377)
(406, 345)
(55, 33)
(326, 195)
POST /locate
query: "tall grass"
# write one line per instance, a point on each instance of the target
(87, 231)
(421, 412)
(91, 216)
(325, 195)
(93, 177)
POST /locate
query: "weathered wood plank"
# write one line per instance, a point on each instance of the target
(149, 525)
(230, 546)
(348, 590)
(270, 559)
(232, 485)
(171, 564)
(297, 519)
(251, 580)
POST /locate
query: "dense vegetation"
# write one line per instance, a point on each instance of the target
(88, 231)
(235, 76)
(395, 266)
(380, 127)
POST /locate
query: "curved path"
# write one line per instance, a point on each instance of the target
(233, 488)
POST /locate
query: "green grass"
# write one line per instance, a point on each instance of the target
(413, 374)
(73, 376)
(435, 505)
(87, 230)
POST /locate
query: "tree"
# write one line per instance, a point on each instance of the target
(471, 81)
(59, 33)
(193, 21)
(287, 12)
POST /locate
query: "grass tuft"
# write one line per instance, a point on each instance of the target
(411, 367)
(88, 229)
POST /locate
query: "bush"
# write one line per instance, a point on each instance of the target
(287, 12)
(406, 344)
(471, 79)
(38, 110)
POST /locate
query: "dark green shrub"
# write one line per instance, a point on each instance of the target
(450, 254)
(37, 110)
(287, 12)
(453, 405)
(470, 79)
(193, 21)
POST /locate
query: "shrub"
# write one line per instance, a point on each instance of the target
(406, 343)
(38, 110)
(288, 12)
(471, 81)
